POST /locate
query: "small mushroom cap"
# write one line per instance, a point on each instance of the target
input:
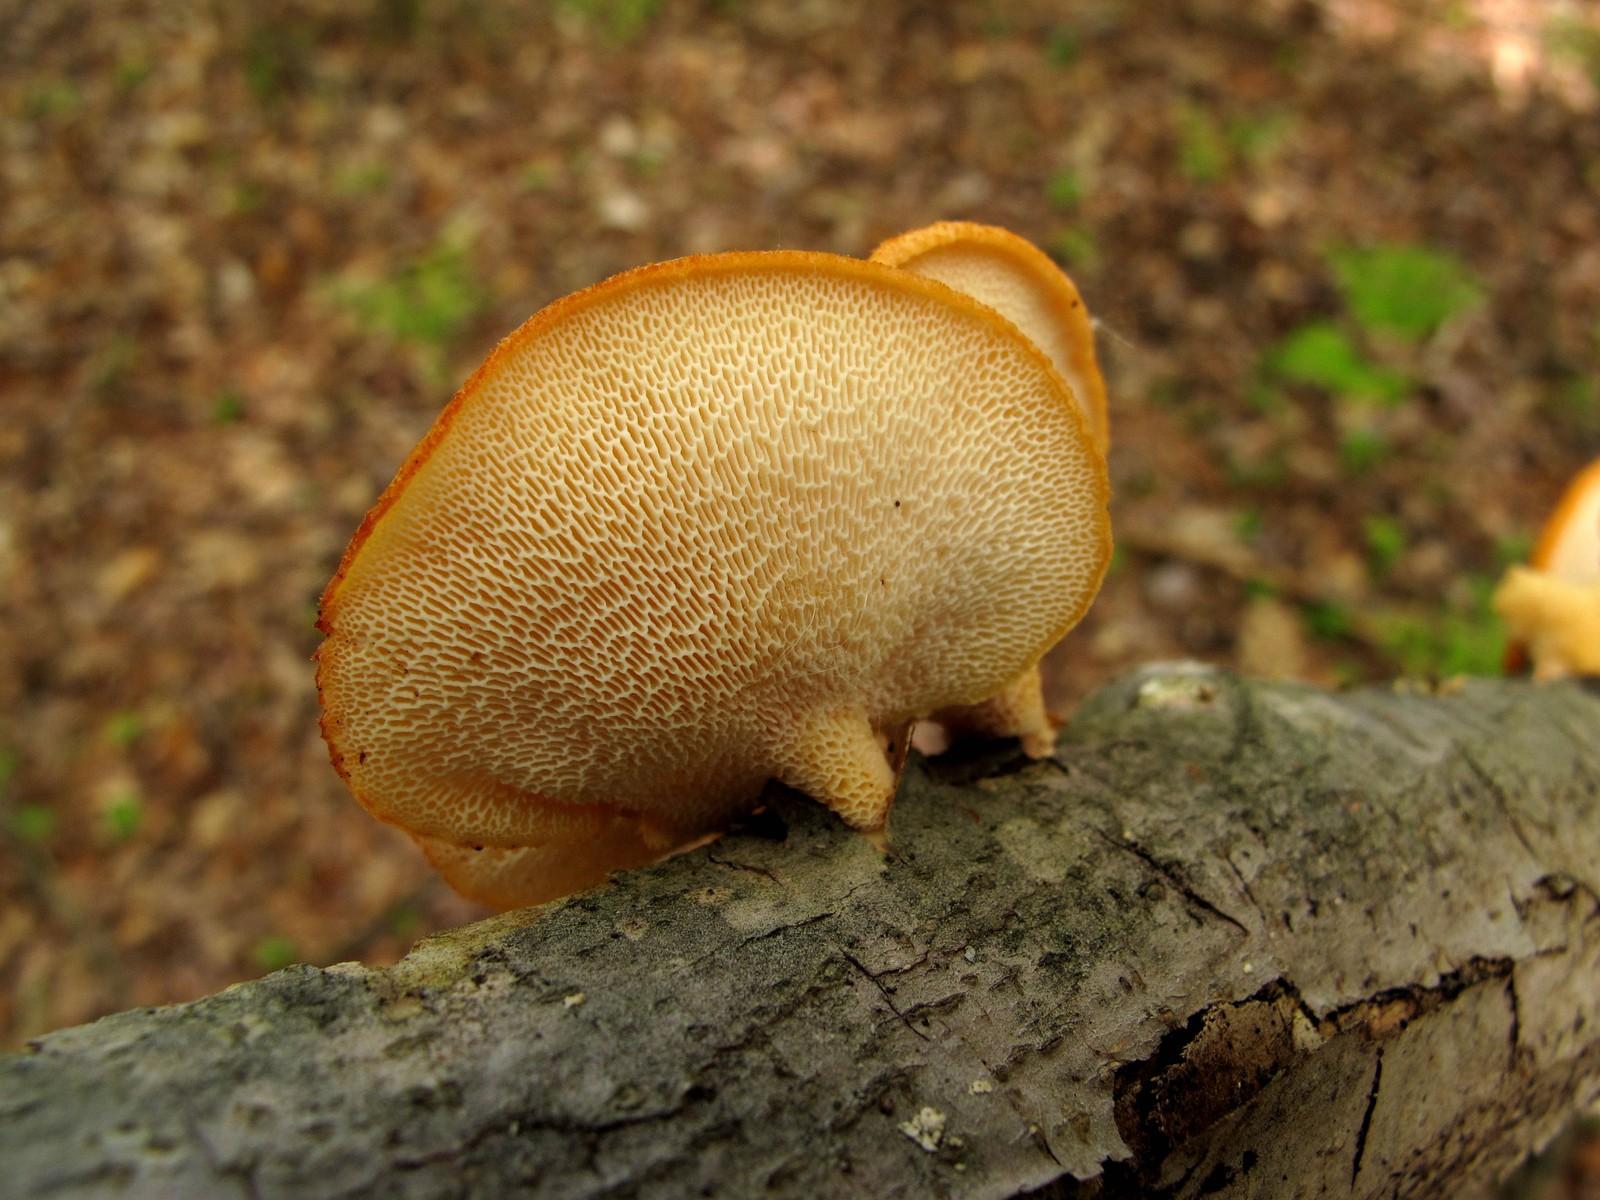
(1021, 282)
(708, 523)
(1569, 544)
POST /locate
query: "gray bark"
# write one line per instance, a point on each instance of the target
(1238, 939)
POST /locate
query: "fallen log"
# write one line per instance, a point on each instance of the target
(1237, 939)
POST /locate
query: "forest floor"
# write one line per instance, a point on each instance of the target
(1344, 257)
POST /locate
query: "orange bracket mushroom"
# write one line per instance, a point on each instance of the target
(1023, 284)
(711, 522)
(1551, 607)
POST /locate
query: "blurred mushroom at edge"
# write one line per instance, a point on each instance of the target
(1551, 607)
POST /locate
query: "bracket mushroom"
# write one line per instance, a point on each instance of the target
(711, 522)
(1022, 283)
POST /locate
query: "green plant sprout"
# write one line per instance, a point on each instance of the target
(1062, 47)
(246, 197)
(124, 815)
(1513, 547)
(274, 59)
(1459, 641)
(1257, 138)
(132, 72)
(124, 729)
(1403, 289)
(1575, 403)
(1321, 355)
(1577, 41)
(29, 823)
(427, 302)
(1266, 398)
(537, 176)
(1327, 619)
(1203, 150)
(1386, 544)
(113, 366)
(1270, 471)
(228, 407)
(362, 180)
(52, 97)
(405, 919)
(620, 21)
(1360, 450)
(33, 823)
(1063, 191)
(273, 953)
(1074, 246)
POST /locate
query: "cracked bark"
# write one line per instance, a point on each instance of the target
(1238, 939)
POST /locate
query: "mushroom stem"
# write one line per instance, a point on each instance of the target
(835, 756)
(1017, 710)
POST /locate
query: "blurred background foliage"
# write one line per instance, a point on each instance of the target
(1345, 256)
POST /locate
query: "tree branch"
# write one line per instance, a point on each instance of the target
(1236, 933)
